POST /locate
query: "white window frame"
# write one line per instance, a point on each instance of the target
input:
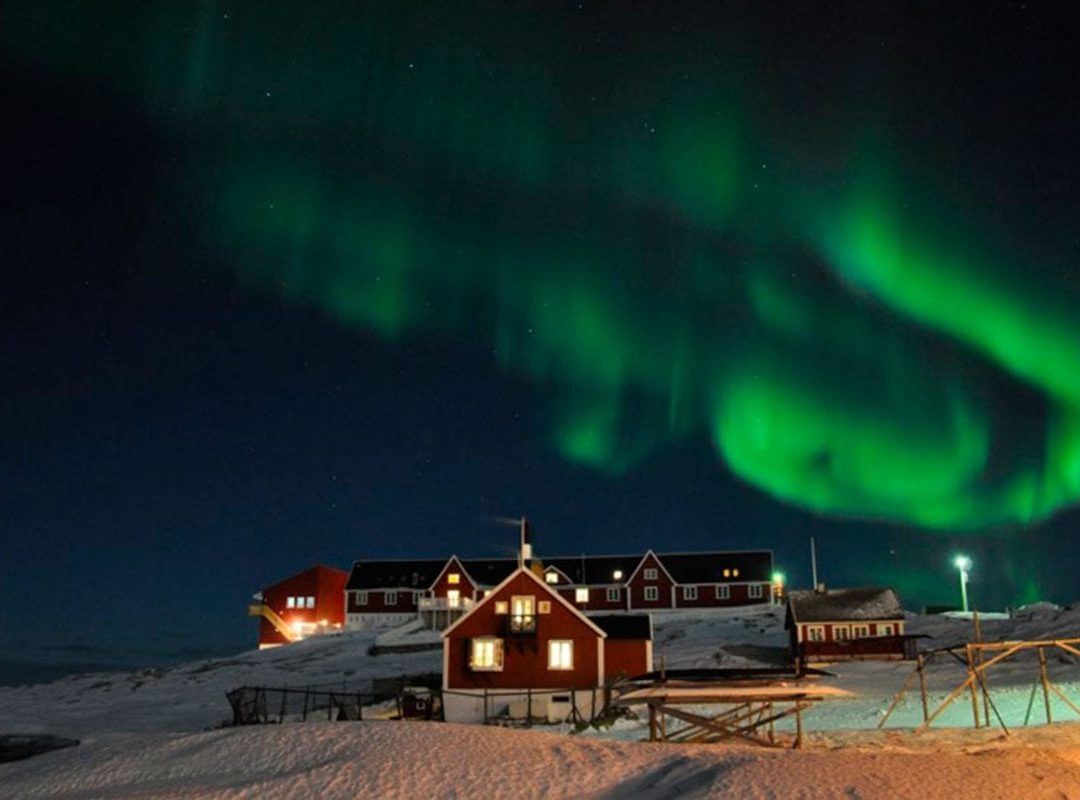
(486, 654)
(523, 613)
(860, 631)
(651, 573)
(581, 595)
(390, 598)
(560, 654)
(416, 598)
(361, 598)
(652, 594)
(756, 591)
(723, 592)
(815, 629)
(310, 602)
(891, 630)
(453, 598)
(290, 602)
(551, 576)
(689, 593)
(613, 594)
(841, 633)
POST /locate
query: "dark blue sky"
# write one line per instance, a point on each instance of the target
(172, 439)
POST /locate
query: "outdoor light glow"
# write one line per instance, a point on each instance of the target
(963, 563)
(778, 578)
(617, 575)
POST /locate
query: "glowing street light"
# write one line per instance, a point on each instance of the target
(778, 586)
(963, 563)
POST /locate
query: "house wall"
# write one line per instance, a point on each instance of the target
(326, 585)
(627, 657)
(525, 657)
(597, 598)
(442, 585)
(638, 583)
(874, 646)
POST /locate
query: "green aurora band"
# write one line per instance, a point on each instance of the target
(666, 252)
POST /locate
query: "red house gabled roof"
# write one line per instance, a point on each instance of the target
(550, 591)
(315, 568)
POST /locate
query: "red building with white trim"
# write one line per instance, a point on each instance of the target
(302, 605)
(387, 593)
(847, 624)
(525, 639)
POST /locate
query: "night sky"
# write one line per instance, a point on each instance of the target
(288, 283)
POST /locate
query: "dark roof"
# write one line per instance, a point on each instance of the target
(709, 567)
(844, 605)
(624, 626)
(489, 571)
(395, 574)
(591, 570)
(594, 570)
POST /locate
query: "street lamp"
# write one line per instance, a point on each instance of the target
(778, 587)
(963, 563)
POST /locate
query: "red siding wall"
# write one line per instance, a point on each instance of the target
(626, 657)
(638, 583)
(325, 584)
(738, 595)
(525, 657)
(442, 585)
(377, 602)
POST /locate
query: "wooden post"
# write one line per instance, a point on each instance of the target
(978, 665)
(652, 722)
(528, 708)
(487, 714)
(971, 679)
(284, 695)
(798, 726)
(400, 710)
(307, 693)
(359, 707)
(772, 731)
(921, 667)
(1045, 685)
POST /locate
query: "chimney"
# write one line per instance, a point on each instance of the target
(526, 541)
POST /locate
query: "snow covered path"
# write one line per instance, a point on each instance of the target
(432, 760)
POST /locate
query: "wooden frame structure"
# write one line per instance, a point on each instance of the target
(978, 658)
(749, 710)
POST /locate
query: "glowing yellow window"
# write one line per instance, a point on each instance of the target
(453, 577)
(727, 573)
(551, 577)
(734, 573)
(486, 654)
(581, 595)
(453, 598)
(561, 654)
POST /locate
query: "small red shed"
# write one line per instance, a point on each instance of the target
(302, 605)
(847, 624)
(525, 639)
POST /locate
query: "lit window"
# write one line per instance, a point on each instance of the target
(551, 577)
(486, 654)
(734, 573)
(487, 592)
(860, 631)
(361, 598)
(581, 595)
(453, 578)
(522, 614)
(841, 633)
(502, 607)
(290, 602)
(756, 591)
(311, 602)
(723, 592)
(652, 594)
(689, 593)
(560, 654)
(617, 575)
(650, 573)
(727, 573)
(543, 607)
(391, 598)
(453, 598)
(815, 633)
(612, 595)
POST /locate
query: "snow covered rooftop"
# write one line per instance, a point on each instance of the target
(841, 605)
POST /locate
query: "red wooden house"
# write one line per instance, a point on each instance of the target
(846, 624)
(386, 593)
(525, 640)
(302, 605)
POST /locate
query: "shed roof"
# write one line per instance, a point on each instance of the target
(624, 626)
(845, 605)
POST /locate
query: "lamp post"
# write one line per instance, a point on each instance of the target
(778, 587)
(963, 563)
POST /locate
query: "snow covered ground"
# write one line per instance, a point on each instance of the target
(151, 733)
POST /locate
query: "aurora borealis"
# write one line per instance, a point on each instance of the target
(837, 246)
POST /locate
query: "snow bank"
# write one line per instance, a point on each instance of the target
(430, 760)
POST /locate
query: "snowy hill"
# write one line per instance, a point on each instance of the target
(147, 733)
